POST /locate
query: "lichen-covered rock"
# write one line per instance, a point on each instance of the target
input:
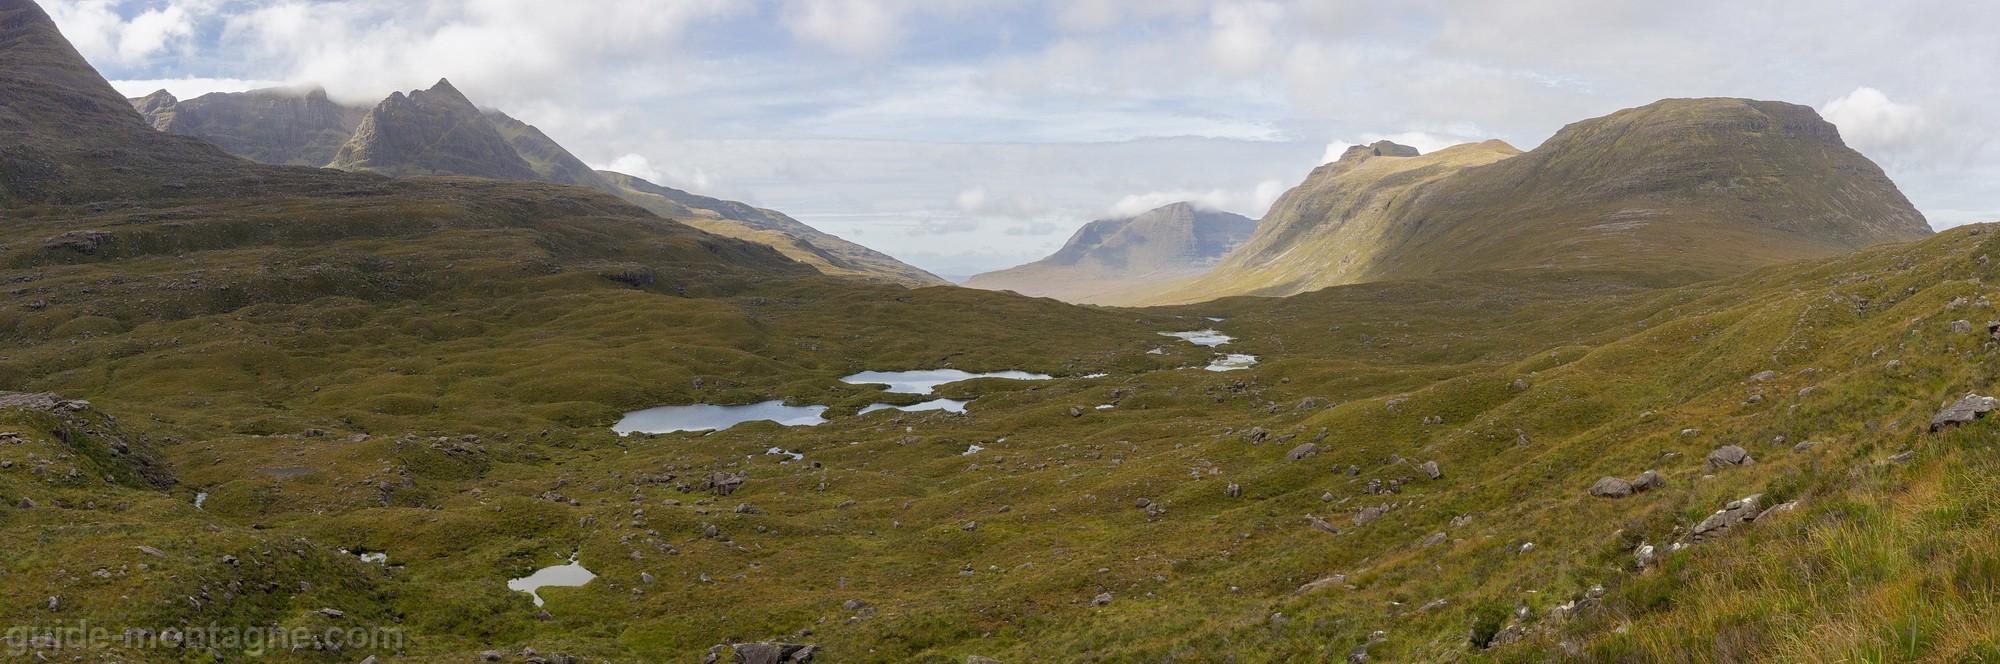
(1648, 481)
(1321, 525)
(773, 653)
(95, 439)
(1302, 451)
(1645, 556)
(1738, 512)
(724, 482)
(1611, 487)
(1966, 409)
(1727, 456)
(1323, 583)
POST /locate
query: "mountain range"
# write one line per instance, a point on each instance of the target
(1172, 242)
(1673, 192)
(438, 131)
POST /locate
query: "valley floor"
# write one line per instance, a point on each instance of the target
(1405, 474)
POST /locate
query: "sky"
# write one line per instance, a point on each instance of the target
(972, 135)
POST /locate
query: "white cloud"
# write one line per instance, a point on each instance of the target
(693, 179)
(494, 50)
(150, 32)
(1333, 151)
(189, 88)
(1869, 120)
(634, 165)
(1097, 15)
(1266, 193)
(1246, 35)
(858, 27)
(977, 202)
(1252, 202)
(100, 33)
(1035, 228)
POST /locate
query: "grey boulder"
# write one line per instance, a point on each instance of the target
(1611, 487)
(1728, 455)
(1966, 409)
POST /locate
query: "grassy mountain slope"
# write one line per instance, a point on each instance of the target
(1328, 230)
(1681, 190)
(1108, 255)
(550, 160)
(829, 253)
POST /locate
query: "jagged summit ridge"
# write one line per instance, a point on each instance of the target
(433, 131)
(297, 126)
(440, 131)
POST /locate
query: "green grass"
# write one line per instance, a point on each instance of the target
(487, 387)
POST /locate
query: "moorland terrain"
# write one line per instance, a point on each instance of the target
(1714, 434)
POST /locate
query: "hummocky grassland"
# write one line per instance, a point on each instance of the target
(427, 368)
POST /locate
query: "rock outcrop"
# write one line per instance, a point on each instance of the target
(1736, 513)
(1967, 409)
(96, 446)
(773, 653)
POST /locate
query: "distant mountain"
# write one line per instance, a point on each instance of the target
(1113, 255)
(295, 126)
(67, 137)
(1326, 230)
(830, 254)
(441, 132)
(431, 132)
(1676, 191)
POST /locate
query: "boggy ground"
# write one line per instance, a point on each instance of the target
(487, 455)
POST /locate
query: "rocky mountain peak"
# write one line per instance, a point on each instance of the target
(158, 108)
(431, 132)
(1382, 148)
(445, 91)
